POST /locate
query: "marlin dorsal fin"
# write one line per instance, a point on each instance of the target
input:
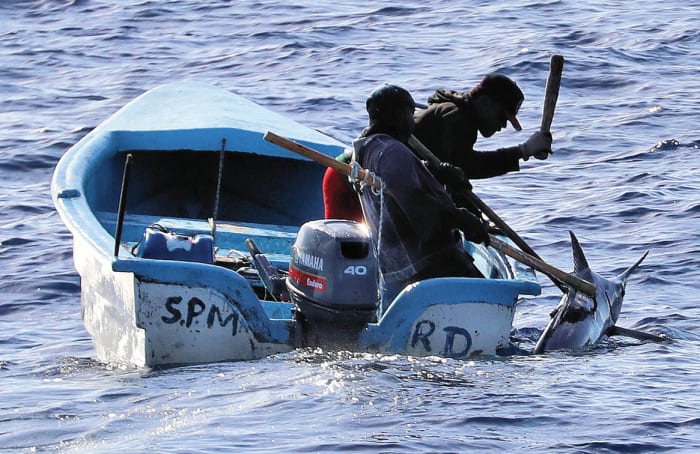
(580, 263)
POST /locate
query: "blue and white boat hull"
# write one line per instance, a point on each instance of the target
(180, 306)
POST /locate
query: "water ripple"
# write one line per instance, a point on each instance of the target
(623, 177)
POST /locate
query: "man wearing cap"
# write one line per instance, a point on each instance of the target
(414, 220)
(450, 123)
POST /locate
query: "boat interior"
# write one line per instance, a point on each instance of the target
(254, 188)
(259, 197)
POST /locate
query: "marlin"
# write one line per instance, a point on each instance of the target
(579, 320)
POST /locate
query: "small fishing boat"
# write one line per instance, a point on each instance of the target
(197, 240)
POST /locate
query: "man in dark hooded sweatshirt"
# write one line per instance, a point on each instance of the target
(449, 127)
(417, 226)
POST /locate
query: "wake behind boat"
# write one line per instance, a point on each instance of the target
(209, 245)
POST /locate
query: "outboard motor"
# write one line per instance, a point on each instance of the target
(333, 281)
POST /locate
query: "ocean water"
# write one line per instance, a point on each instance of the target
(623, 177)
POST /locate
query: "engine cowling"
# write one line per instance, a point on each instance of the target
(333, 278)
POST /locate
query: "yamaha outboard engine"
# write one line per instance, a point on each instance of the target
(333, 281)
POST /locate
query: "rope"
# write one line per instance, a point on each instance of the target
(360, 185)
(217, 196)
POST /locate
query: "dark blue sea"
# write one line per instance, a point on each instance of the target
(624, 176)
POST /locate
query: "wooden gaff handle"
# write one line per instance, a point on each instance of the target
(551, 94)
(529, 256)
(571, 280)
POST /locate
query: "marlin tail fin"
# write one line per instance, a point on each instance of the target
(626, 274)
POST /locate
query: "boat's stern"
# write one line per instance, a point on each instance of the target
(449, 317)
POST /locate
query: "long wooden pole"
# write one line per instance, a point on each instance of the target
(531, 255)
(425, 153)
(345, 169)
(314, 155)
(556, 274)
